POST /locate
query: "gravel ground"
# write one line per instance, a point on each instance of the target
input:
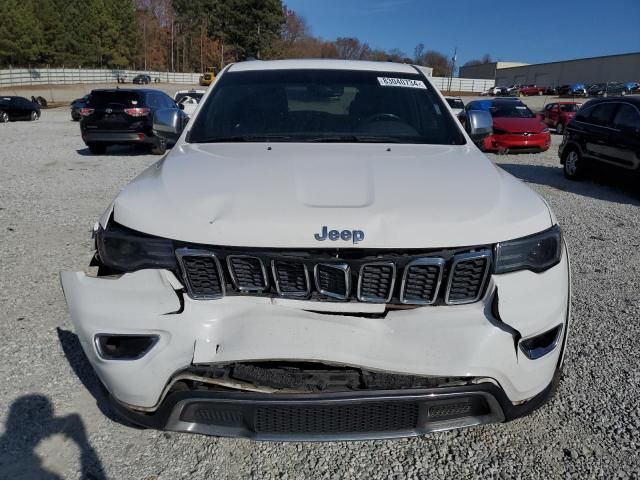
(55, 418)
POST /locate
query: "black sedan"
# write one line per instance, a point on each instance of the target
(142, 79)
(606, 89)
(77, 105)
(18, 108)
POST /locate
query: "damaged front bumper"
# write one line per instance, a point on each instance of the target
(479, 341)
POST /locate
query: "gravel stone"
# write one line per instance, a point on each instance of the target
(55, 416)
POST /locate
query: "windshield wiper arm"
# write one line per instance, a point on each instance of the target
(244, 138)
(354, 139)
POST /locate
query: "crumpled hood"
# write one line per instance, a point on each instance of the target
(518, 125)
(282, 194)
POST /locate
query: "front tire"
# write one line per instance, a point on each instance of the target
(573, 165)
(560, 128)
(160, 148)
(34, 116)
(4, 117)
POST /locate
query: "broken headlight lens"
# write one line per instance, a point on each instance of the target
(126, 250)
(537, 252)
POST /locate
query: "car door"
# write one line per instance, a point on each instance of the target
(549, 114)
(598, 135)
(626, 137)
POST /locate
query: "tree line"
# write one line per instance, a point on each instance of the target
(173, 35)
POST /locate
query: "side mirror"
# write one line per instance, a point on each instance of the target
(478, 124)
(462, 116)
(181, 106)
(169, 123)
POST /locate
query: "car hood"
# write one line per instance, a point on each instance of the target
(281, 195)
(518, 125)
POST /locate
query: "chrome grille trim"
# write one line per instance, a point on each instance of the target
(434, 261)
(234, 278)
(463, 257)
(189, 252)
(363, 298)
(276, 281)
(346, 270)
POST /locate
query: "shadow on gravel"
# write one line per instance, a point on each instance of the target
(600, 184)
(83, 370)
(31, 420)
(117, 150)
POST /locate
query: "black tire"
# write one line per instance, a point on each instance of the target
(97, 148)
(4, 117)
(33, 116)
(560, 128)
(160, 147)
(573, 164)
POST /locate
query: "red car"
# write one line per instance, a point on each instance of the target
(515, 127)
(527, 90)
(558, 115)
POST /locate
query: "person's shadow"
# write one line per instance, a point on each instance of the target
(31, 420)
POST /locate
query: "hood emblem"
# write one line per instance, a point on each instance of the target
(355, 236)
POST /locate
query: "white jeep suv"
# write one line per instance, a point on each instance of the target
(324, 254)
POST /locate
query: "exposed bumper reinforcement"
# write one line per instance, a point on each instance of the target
(333, 416)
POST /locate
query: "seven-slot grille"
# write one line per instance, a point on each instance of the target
(454, 278)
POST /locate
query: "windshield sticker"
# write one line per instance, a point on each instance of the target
(401, 82)
(521, 107)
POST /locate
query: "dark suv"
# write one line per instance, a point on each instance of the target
(606, 131)
(125, 116)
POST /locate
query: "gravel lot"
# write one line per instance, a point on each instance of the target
(55, 418)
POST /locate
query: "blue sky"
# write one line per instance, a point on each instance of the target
(534, 31)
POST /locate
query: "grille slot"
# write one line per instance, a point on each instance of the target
(421, 281)
(202, 273)
(467, 277)
(291, 278)
(327, 419)
(248, 273)
(333, 280)
(375, 282)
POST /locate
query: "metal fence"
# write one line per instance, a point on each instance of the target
(475, 85)
(65, 76)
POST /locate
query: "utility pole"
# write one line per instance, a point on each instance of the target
(172, 46)
(144, 29)
(453, 66)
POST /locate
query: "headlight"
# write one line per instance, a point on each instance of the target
(537, 252)
(126, 250)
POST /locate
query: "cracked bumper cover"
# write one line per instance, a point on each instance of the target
(443, 341)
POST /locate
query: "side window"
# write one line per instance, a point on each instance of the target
(168, 101)
(153, 100)
(549, 107)
(627, 117)
(602, 114)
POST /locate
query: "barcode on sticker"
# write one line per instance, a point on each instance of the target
(401, 82)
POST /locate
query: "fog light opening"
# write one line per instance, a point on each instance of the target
(540, 345)
(124, 347)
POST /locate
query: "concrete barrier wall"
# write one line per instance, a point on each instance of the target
(66, 76)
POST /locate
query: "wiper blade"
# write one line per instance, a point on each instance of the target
(354, 139)
(244, 138)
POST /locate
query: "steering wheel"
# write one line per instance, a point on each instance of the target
(377, 117)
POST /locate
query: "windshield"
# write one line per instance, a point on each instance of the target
(324, 106)
(570, 107)
(455, 103)
(511, 110)
(101, 99)
(181, 96)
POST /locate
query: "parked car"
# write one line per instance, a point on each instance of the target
(456, 104)
(18, 108)
(606, 89)
(513, 89)
(558, 114)
(289, 272)
(632, 87)
(572, 90)
(515, 127)
(527, 90)
(605, 131)
(141, 79)
(76, 106)
(551, 91)
(126, 116)
(207, 77)
(188, 100)
(496, 91)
